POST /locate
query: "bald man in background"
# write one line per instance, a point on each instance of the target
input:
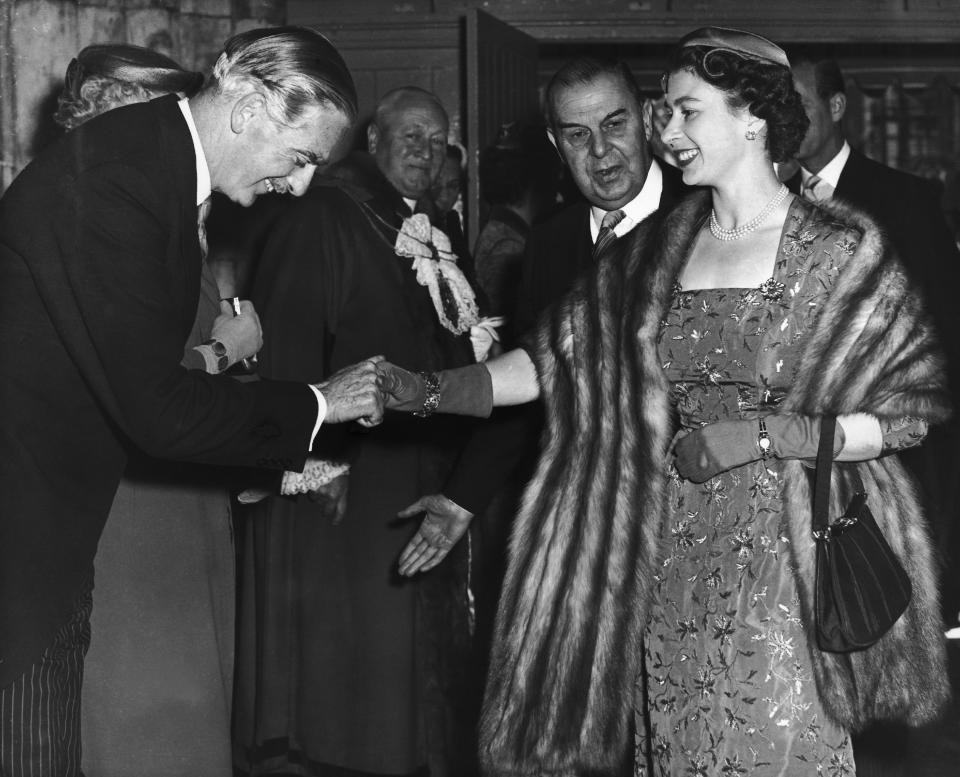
(383, 660)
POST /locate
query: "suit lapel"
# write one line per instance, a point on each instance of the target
(851, 178)
(584, 240)
(674, 189)
(184, 256)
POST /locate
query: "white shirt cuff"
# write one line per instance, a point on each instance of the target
(321, 413)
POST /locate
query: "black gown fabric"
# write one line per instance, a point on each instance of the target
(341, 663)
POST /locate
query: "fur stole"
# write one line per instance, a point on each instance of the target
(585, 544)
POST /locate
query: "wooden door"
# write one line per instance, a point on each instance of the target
(501, 87)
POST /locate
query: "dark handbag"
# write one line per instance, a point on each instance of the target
(861, 588)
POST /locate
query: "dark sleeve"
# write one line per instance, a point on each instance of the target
(127, 282)
(528, 300)
(193, 360)
(298, 290)
(929, 254)
(492, 454)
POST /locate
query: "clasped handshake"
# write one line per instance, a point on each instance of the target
(363, 391)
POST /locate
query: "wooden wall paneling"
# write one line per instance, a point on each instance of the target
(423, 52)
(96, 24)
(392, 52)
(9, 140)
(146, 25)
(200, 39)
(39, 37)
(44, 39)
(501, 88)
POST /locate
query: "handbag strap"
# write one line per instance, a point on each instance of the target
(821, 485)
(824, 471)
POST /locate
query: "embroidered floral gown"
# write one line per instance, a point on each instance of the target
(727, 680)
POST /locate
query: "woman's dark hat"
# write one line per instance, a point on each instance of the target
(134, 64)
(745, 44)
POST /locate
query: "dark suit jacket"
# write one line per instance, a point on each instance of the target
(561, 249)
(99, 282)
(907, 209)
(557, 252)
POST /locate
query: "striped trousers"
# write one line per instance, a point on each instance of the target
(40, 711)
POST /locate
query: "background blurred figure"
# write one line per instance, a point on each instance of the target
(159, 672)
(519, 175)
(448, 187)
(445, 194)
(659, 116)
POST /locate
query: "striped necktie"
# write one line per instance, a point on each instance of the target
(606, 235)
(809, 188)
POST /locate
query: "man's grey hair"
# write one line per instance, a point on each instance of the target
(389, 102)
(297, 68)
(583, 71)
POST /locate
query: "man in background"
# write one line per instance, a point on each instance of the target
(908, 210)
(380, 687)
(602, 127)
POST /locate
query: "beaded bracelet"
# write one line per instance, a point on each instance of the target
(432, 399)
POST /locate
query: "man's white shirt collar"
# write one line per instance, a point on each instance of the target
(203, 172)
(831, 171)
(635, 211)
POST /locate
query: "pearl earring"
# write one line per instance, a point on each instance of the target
(751, 134)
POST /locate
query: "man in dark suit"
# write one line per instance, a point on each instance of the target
(601, 127)
(908, 209)
(100, 265)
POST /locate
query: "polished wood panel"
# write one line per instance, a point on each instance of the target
(501, 88)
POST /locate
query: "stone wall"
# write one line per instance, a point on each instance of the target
(39, 37)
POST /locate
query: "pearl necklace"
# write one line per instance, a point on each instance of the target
(745, 229)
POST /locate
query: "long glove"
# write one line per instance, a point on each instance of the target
(717, 447)
(461, 391)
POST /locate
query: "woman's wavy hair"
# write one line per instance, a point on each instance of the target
(96, 95)
(764, 88)
(297, 68)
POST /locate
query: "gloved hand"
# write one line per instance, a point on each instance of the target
(403, 390)
(706, 452)
(463, 391)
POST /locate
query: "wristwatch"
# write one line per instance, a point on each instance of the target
(763, 439)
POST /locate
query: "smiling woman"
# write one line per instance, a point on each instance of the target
(676, 578)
